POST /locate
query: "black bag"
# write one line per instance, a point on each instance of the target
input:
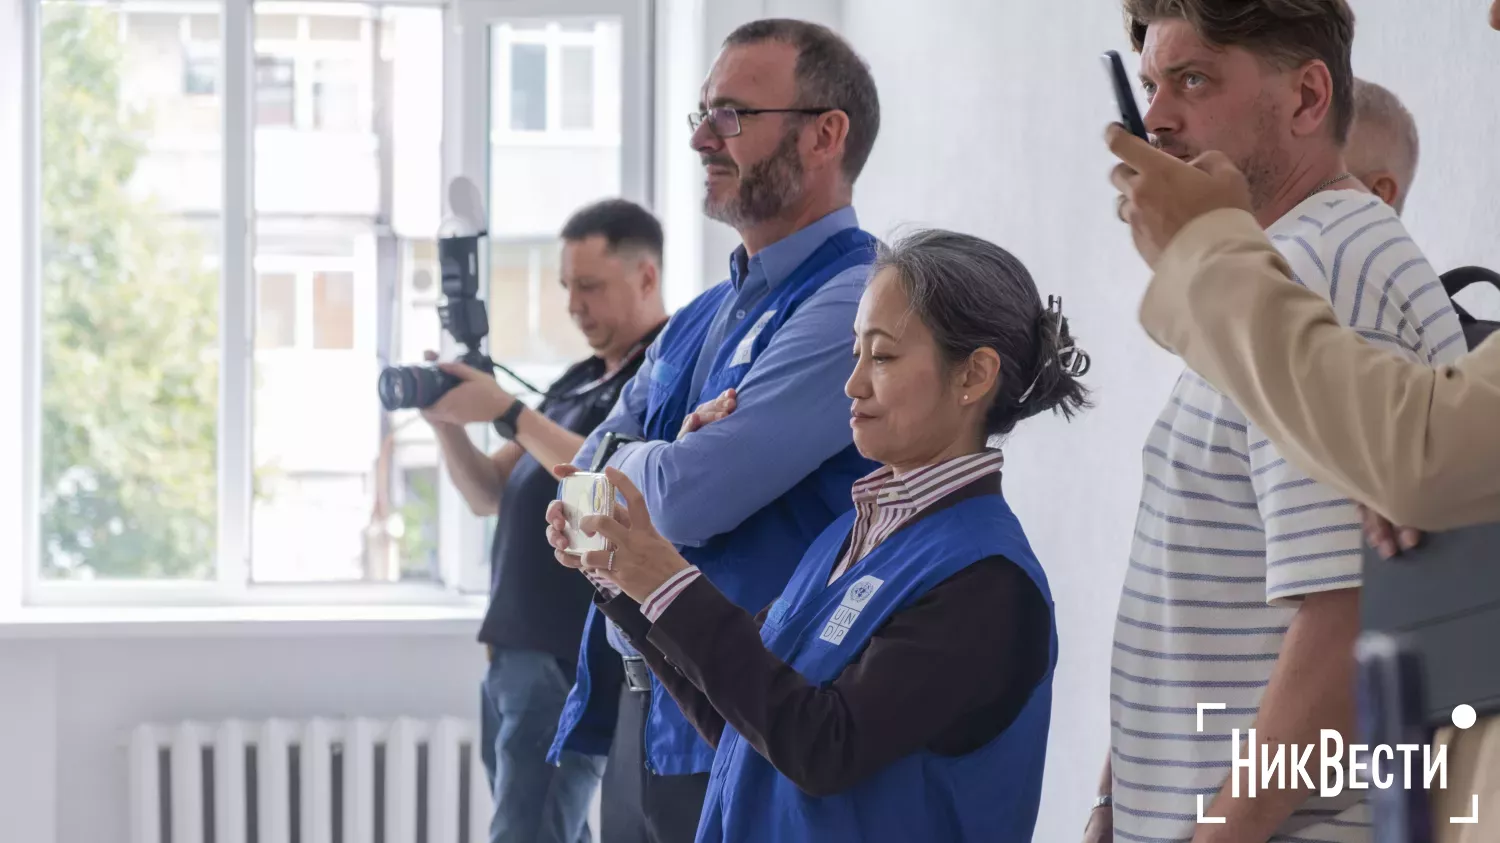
(1475, 330)
(1423, 614)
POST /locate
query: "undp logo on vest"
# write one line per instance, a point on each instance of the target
(848, 611)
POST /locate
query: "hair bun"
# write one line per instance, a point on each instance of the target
(1056, 348)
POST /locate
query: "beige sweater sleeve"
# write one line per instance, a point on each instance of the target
(1419, 445)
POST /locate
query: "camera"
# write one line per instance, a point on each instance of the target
(464, 318)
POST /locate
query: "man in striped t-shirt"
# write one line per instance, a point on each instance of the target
(1242, 589)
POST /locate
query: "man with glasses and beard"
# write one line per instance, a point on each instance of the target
(746, 451)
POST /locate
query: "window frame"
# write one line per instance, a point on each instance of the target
(230, 584)
(468, 142)
(553, 39)
(304, 52)
(464, 538)
(304, 270)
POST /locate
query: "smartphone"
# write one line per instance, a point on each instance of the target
(585, 493)
(1124, 95)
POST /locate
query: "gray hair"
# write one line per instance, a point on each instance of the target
(829, 75)
(972, 294)
(1384, 135)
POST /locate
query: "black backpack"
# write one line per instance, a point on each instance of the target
(1475, 330)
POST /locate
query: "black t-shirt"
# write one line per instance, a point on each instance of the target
(536, 603)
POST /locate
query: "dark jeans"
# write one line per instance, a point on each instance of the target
(637, 805)
(521, 699)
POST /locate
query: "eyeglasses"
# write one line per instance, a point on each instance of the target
(725, 122)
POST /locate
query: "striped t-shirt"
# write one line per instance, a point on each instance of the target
(1229, 535)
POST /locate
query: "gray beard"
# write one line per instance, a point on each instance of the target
(766, 189)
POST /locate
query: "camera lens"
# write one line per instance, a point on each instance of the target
(413, 387)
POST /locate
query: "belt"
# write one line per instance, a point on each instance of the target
(637, 674)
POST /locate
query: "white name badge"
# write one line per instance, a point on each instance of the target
(742, 351)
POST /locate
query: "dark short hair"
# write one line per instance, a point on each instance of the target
(972, 294)
(829, 75)
(1287, 33)
(622, 224)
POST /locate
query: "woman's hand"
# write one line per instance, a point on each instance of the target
(709, 412)
(639, 560)
(557, 522)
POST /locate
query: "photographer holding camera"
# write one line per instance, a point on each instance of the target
(611, 268)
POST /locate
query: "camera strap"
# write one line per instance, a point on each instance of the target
(631, 356)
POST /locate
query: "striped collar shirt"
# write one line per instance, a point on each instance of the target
(884, 503)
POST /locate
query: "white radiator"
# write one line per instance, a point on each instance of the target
(312, 781)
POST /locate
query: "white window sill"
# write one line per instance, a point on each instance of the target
(459, 619)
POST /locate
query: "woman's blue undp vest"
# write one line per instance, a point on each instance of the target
(990, 794)
(749, 564)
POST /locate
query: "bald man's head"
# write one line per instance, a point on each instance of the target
(1383, 148)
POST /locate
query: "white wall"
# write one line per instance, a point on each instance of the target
(992, 116)
(991, 124)
(69, 702)
(1444, 65)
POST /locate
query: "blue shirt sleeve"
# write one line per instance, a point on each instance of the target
(628, 416)
(791, 417)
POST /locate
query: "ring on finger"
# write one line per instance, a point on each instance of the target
(610, 564)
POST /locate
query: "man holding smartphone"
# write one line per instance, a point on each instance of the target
(748, 454)
(611, 270)
(1223, 298)
(1242, 593)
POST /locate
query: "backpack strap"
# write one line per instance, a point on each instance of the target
(1454, 280)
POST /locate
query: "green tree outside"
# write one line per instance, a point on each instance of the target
(129, 333)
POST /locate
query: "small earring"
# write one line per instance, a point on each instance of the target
(966, 398)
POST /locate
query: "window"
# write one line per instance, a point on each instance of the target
(169, 457)
(546, 77)
(298, 290)
(333, 310)
(316, 65)
(277, 313)
(529, 319)
(200, 71)
(556, 144)
(129, 325)
(132, 267)
(275, 90)
(528, 88)
(327, 458)
(577, 87)
(336, 95)
(416, 529)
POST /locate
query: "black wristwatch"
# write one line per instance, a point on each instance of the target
(505, 425)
